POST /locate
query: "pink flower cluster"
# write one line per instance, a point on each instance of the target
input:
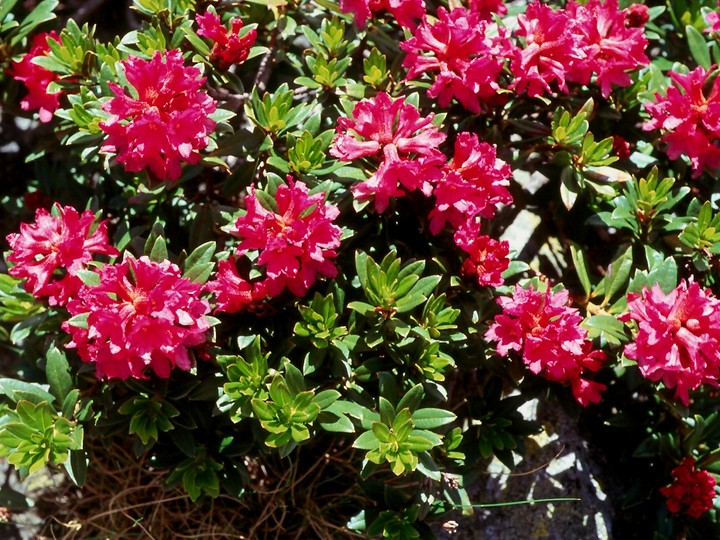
(692, 492)
(36, 78)
(49, 253)
(405, 12)
(402, 148)
(572, 44)
(678, 338)
(465, 52)
(473, 183)
(166, 119)
(229, 48)
(487, 258)
(547, 332)
(141, 315)
(401, 144)
(713, 19)
(689, 119)
(295, 243)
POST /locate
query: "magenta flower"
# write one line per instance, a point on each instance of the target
(229, 48)
(692, 492)
(49, 253)
(405, 12)
(678, 338)
(487, 258)
(636, 15)
(232, 292)
(296, 243)
(473, 184)
(486, 8)
(713, 19)
(36, 78)
(690, 121)
(142, 314)
(572, 44)
(394, 134)
(547, 332)
(550, 51)
(611, 48)
(465, 61)
(166, 119)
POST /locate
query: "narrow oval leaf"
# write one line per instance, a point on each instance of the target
(698, 47)
(58, 375)
(432, 418)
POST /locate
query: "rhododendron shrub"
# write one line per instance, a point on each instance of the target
(164, 121)
(142, 316)
(692, 491)
(678, 336)
(379, 243)
(49, 253)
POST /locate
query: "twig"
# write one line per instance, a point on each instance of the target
(137, 522)
(138, 505)
(265, 68)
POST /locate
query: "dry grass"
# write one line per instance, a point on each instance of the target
(123, 498)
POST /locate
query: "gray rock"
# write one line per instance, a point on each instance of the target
(556, 465)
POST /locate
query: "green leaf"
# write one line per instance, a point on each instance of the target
(262, 410)
(326, 398)
(387, 411)
(200, 255)
(425, 286)
(362, 307)
(76, 466)
(33, 392)
(294, 378)
(200, 272)
(335, 422)
(68, 406)
(419, 443)
(58, 375)
(412, 398)
(432, 418)
(361, 260)
(514, 268)
(381, 431)
(569, 188)
(607, 327)
(43, 12)
(428, 467)
(581, 265)
(367, 441)
(618, 274)
(159, 252)
(698, 47)
(6, 7)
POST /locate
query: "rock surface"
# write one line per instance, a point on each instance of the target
(557, 464)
